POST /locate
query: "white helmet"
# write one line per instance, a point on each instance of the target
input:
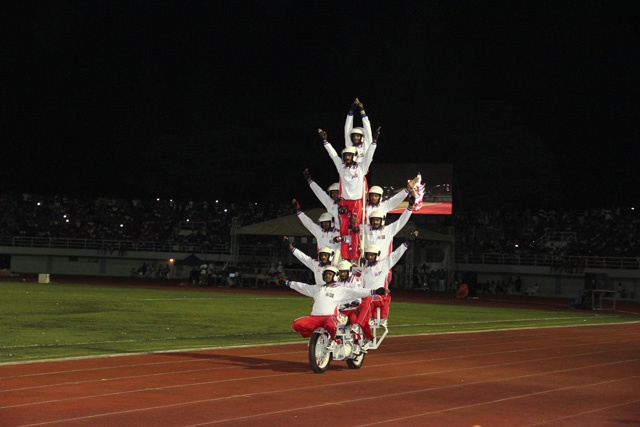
(358, 130)
(376, 214)
(352, 150)
(334, 187)
(327, 250)
(345, 265)
(325, 217)
(372, 249)
(330, 268)
(376, 190)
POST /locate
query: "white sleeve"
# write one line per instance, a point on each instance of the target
(303, 288)
(352, 293)
(396, 255)
(368, 157)
(368, 134)
(308, 223)
(324, 198)
(334, 156)
(348, 127)
(394, 201)
(401, 222)
(304, 258)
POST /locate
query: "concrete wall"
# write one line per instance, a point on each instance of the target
(88, 262)
(551, 283)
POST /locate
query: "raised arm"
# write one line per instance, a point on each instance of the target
(368, 156)
(395, 200)
(402, 221)
(322, 195)
(302, 257)
(337, 161)
(348, 127)
(397, 254)
(366, 124)
(306, 221)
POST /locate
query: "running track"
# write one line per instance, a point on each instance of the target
(580, 376)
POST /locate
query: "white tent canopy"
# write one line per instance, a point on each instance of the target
(291, 225)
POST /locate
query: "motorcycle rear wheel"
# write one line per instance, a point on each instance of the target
(319, 354)
(356, 362)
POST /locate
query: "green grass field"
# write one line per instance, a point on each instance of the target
(47, 321)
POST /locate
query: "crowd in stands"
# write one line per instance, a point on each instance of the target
(151, 271)
(613, 232)
(156, 220)
(598, 232)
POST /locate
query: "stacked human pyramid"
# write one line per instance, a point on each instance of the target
(345, 282)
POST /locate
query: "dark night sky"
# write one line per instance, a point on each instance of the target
(533, 102)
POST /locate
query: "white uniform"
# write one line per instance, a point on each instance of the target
(329, 204)
(367, 138)
(323, 238)
(383, 236)
(351, 177)
(312, 264)
(376, 276)
(327, 298)
(385, 205)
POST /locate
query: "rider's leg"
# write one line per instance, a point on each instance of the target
(363, 315)
(330, 324)
(307, 324)
(384, 310)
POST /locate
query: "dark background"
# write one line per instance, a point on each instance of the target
(534, 103)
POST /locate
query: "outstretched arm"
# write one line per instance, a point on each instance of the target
(324, 198)
(337, 161)
(306, 221)
(302, 257)
(397, 254)
(304, 288)
(395, 200)
(402, 221)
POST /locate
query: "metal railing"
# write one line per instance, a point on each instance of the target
(557, 263)
(124, 247)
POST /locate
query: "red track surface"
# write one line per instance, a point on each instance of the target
(581, 376)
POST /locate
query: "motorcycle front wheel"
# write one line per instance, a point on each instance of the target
(319, 354)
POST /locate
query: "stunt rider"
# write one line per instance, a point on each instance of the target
(376, 274)
(325, 256)
(330, 199)
(326, 300)
(358, 311)
(352, 190)
(324, 232)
